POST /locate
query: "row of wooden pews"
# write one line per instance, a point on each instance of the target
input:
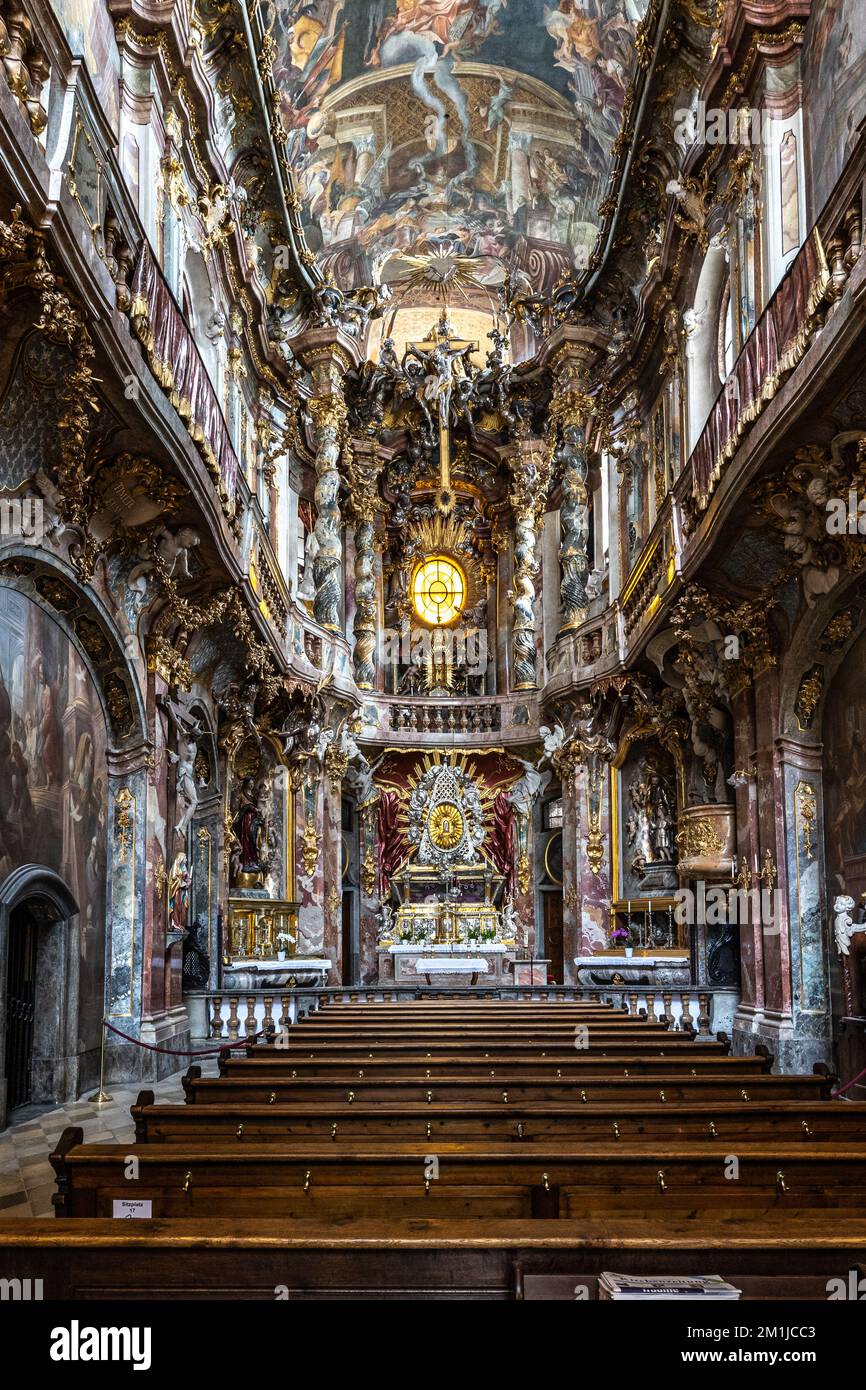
(498, 1118)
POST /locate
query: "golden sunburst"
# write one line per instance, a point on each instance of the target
(445, 825)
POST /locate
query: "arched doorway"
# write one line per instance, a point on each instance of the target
(39, 950)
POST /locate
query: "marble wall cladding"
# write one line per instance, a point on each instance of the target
(332, 853)
(310, 876)
(570, 855)
(594, 885)
(368, 929)
(751, 945)
(807, 906)
(123, 955)
(206, 832)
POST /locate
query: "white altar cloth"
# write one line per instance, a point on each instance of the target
(444, 948)
(457, 965)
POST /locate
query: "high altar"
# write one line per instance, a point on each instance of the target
(450, 920)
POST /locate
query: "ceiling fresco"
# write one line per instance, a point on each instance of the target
(479, 129)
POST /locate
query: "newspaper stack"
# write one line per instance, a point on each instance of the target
(635, 1287)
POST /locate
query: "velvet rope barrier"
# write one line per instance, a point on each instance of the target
(172, 1052)
(848, 1084)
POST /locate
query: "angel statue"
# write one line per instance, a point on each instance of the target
(512, 925)
(527, 788)
(553, 739)
(386, 923)
(843, 925)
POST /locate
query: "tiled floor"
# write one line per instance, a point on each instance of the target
(26, 1176)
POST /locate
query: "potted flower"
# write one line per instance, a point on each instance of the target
(284, 940)
(619, 936)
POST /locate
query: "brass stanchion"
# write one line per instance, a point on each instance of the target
(101, 1096)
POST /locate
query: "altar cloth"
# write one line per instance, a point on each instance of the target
(442, 965)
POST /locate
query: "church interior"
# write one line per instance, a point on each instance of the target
(432, 741)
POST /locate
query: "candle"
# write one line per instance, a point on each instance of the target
(734, 869)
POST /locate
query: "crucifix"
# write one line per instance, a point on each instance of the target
(441, 353)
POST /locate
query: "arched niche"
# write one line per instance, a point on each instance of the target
(36, 901)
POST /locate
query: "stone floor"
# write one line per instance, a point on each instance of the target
(26, 1176)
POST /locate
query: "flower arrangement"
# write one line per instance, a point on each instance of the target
(619, 934)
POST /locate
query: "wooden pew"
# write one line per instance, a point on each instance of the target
(403, 1048)
(506, 1088)
(770, 1254)
(725, 1121)
(310, 1180)
(571, 1067)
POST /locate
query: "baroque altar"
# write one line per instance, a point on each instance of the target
(449, 908)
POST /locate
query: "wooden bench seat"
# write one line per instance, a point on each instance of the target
(569, 1067)
(726, 1121)
(309, 1179)
(462, 1047)
(770, 1253)
(506, 1088)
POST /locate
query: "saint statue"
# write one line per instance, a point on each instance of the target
(179, 883)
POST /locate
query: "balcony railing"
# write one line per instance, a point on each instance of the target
(777, 343)
(177, 365)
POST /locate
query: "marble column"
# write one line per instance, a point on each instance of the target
(750, 1010)
(126, 925)
(574, 529)
(328, 354)
(571, 933)
(329, 417)
(530, 475)
(308, 861)
(771, 852)
(364, 470)
(332, 875)
(808, 911)
(587, 881)
(369, 898)
(594, 874)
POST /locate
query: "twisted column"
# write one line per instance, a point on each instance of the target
(328, 412)
(530, 469)
(574, 529)
(579, 420)
(363, 469)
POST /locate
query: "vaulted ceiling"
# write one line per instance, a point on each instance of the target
(454, 137)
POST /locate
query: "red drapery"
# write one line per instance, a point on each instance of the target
(177, 366)
(501, 840)
(775, 346)
(393, 848)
